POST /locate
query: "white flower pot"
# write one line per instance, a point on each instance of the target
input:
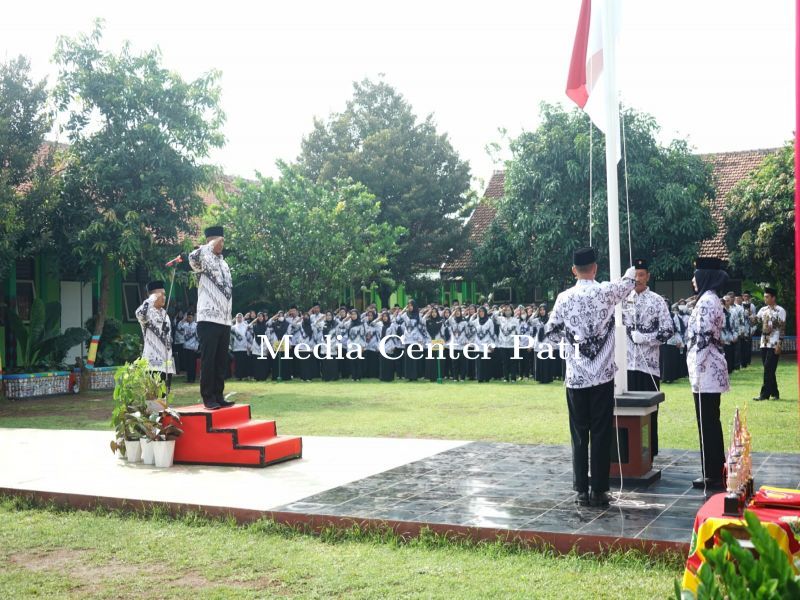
(148, 456)
(133, 450)
(164, 452)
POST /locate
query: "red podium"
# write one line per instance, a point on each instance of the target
(229, 437)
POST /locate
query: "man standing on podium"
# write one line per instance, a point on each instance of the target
(214, 293)
(583, 316)
(648, 325)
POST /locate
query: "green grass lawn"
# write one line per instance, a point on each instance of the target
(51, 553)
(524, 412)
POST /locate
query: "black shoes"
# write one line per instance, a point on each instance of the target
(708, 484)
(759, 399)
(212, 405)
(599, 499)
(582, 499)
(224, 403)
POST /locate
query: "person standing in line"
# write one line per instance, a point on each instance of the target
(583, 316)
(214, 295)
(191, 344)
(240, 346)
(708, 370)
(773, 325)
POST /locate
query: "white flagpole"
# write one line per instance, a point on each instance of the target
(612, 145)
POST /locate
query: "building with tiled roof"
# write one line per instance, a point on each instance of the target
(728, 168)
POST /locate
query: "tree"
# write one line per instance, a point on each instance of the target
(137, 132)
(544, 214)
(759, 215)
(25, 165)
(292, 239)
(410, 168)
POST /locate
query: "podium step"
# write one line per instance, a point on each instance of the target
(228, 436)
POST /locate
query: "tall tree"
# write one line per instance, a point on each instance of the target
(25, 165)
(544, 214)
(411, 169)
(292, 239)
(137, 134)
(759, 214)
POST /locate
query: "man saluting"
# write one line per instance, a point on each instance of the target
(157, 332)
(583, 315)
(214, 292)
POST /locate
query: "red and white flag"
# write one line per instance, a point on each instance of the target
(586, 84)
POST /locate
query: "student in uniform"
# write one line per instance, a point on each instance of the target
(157, 332)
(371, 357)
(708, 371)
(327, 328)
(457, 341)
(304, 340)
(279, 333)
(191, 344)
(414, 332)
(485, 340)
(385, 330)
(748, 330)
(730, 337)
(508, 328)
(672, 350)
(342, 325)
(545, 364)
(434, 367)
(356, 338)
(177, 341)
(471, 341)
(240, 347)
(260, 361)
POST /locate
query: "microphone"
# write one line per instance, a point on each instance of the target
(177, 260)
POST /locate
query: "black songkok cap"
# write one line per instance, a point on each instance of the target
(708, 262)
(215, 231)
(771, 291)
(155, 285)
(584, 256)
(641, 263)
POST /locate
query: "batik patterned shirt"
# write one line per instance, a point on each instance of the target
(648, 314)
(157, 333)
(773, 323)
(705, 358)
(214, 288)
(584, 315)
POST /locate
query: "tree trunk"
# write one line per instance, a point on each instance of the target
(385, 294)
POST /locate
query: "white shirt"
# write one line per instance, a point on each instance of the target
(190, 339)
(584, 315)
(708, 371)
(239, 342)
(648, 314)
(215, 287)
(773, 322)
(157, 333)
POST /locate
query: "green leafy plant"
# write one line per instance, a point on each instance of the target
(41, 343)
(138, 394)
(157, 428)
(733, 571)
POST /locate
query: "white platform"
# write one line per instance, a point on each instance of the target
(80, 462)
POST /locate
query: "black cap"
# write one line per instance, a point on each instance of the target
(641, 263)
(155, 285)
(708, 262)
(747, 292)
(293, 306)
(215, 231)
(770, 291)
(584, 256)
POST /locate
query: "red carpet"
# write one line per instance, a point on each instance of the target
(229, 436)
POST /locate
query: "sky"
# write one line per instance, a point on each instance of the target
(717, 72)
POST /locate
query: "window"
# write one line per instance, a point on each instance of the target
(132, 294)
(26, 293)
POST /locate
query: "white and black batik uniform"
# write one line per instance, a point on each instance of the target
(191, 344)
(508, 329)
(214, 294)
(708, 376)
(304, 338)
(583, 316)
(392, 347)
(414, 332)
(485, 342)
(546, 364)
(356, 338)
(240, 346)
(371, 356)
(434, 367)
(458, 339)
(157, 333)
(648, 314)
(329, 367)
(773, 326)
(672, 353)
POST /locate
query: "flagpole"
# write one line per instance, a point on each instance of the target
(797, 172)
(612, 146)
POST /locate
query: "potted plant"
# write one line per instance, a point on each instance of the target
(161, 430)
(137, 394)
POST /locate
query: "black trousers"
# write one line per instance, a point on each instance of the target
(329, 369)
(545, 368)
(177, 356)
(670, 363)
(189, 362)
(709, 428)
(386, 366)
(483, 367)
(730, 357)
(241, 364)
(591, 420)
(509, 365)
(166, 378)
(214, 341)
(459, 365)
(770, 361)
(747, 351)
(261, 366)
(639, 381)
(371, 364)
(356, 368)
(412, 366)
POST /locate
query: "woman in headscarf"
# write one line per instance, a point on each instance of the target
(414, 332)
(240, 347)
(279, 327)
(447, 363)
(304, 340)
(342, 325)
(543, 365)
(356, 342)
(260, 360)
(485, 340)
(385, 331)
(508, 329)
(434, 367)
(456, 343)
(327, 327)
(471, 342)
(371, 357)
(708, 371)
